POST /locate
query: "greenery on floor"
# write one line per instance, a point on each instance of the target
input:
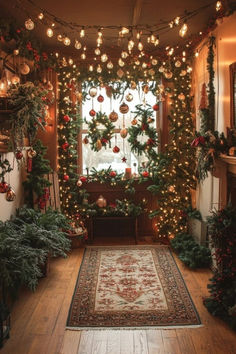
(25, 243)
(222, 286)
(190, 252)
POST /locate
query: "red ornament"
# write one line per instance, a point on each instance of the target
(113, 173)
(66, 178)
(4, 186)
(198, 141)
(145, 174)
(116, 149)
(65, 146)
(66, 118)
(19, 155)
(85, 140)
(104, 141)
(83, 179)
(155, 107)
(100, 98)
(92, 113)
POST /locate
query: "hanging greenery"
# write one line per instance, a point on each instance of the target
(99, 137)
(143, 128)
(28, 105)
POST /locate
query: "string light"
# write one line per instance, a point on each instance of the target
(218, 6)
(78, 45)
(49, 32)
(82, 32)
(40, 16)
(183, 30)
(66, 41)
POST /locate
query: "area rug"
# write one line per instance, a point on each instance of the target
(130, 287)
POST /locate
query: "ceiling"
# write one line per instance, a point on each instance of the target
(146, 15)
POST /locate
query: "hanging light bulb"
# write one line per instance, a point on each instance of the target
(152, 38)
(91, 68)
(83, 56)
(176, 21)
(99, 69)
(218, 6)
(109, 65)
(78, 45)
(104, 57)
(130, 44)
(138, 35)
(40, 16)
(124, 54)
(144, 65)
(97, 51)
(123, 31)
(197, 54)
(29, 24)
(49, 32)
(70, 61)
(60, 38)
(183, 30)
(82, 32)
(157, 41)
(66, 41)
(120, 62)
(140, 46)
(170, 51)
(171, 24)
(99, 41)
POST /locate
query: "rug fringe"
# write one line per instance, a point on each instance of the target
(130, 328)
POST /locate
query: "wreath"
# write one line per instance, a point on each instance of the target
(100, 137)
(143, 128)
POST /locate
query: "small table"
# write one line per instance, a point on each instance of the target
(106, 221)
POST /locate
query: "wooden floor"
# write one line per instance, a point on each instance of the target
(38, 321)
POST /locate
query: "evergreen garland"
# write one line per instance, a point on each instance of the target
(100, 137)
(36, 183)
(141, 129)
(210, 124)
(69, 122)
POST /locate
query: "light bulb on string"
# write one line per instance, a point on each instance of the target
(109, 65)
(82, 32)
(157, 41)
(196, 54)
(97, 51)
(60, 38)
(90, 68)
(140, 46)
(121, 62)
(123, 31)
(66, 41)
(124, 54)
(176, 21)
(104, 57)
(183, 30)
(218, 6)
(78, 45)
(130, 44)
(49, 32)
(40, 16)
(138, 35)
(99, 41)
(29, 24)
(83, 56)
(99, 69)
(152, 38)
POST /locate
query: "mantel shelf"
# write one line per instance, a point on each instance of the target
(230, 161)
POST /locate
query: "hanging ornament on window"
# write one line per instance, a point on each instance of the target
(93, 92)
(124, 108)
(98, 144)
(123, 133)
(113, 116)
(100, 98)
(129, 97)
(24, 69)
(145, 88)
(85, 140)
(4, 186)
(92, 113)
(10, 195)
(15, 80)
(29, 24)
(19, 155)
(155, 107)
(134, 121)
(116, 149)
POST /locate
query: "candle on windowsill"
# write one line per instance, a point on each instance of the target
(128, 173)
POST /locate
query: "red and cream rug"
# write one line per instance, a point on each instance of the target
(130, 286)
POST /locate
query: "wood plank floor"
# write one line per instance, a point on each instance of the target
(38, 320)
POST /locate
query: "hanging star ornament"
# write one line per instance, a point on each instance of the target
(124, 159)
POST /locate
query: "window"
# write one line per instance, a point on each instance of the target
(106, 157)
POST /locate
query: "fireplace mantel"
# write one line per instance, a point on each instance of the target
(231, 163)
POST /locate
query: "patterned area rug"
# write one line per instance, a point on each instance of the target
(130, 286)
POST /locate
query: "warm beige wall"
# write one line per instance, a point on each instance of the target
(14, 178)
(225, 54)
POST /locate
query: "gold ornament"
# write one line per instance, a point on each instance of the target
(181, 97)
(15, 80)
(178, 64)
(31, 153)
(10, 195)
(24, 69)
(120, 73)
(101, 202)
(183, 73)
(79, 183)
(145, 88)
(168, 74)
(113, 116)
(123, 133)
(124, 108)
(29, 24)
(171, 189)
(98, 144)
(129, 97)
(134, 121)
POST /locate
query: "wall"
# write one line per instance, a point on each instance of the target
(14, 178)
(225, 54)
